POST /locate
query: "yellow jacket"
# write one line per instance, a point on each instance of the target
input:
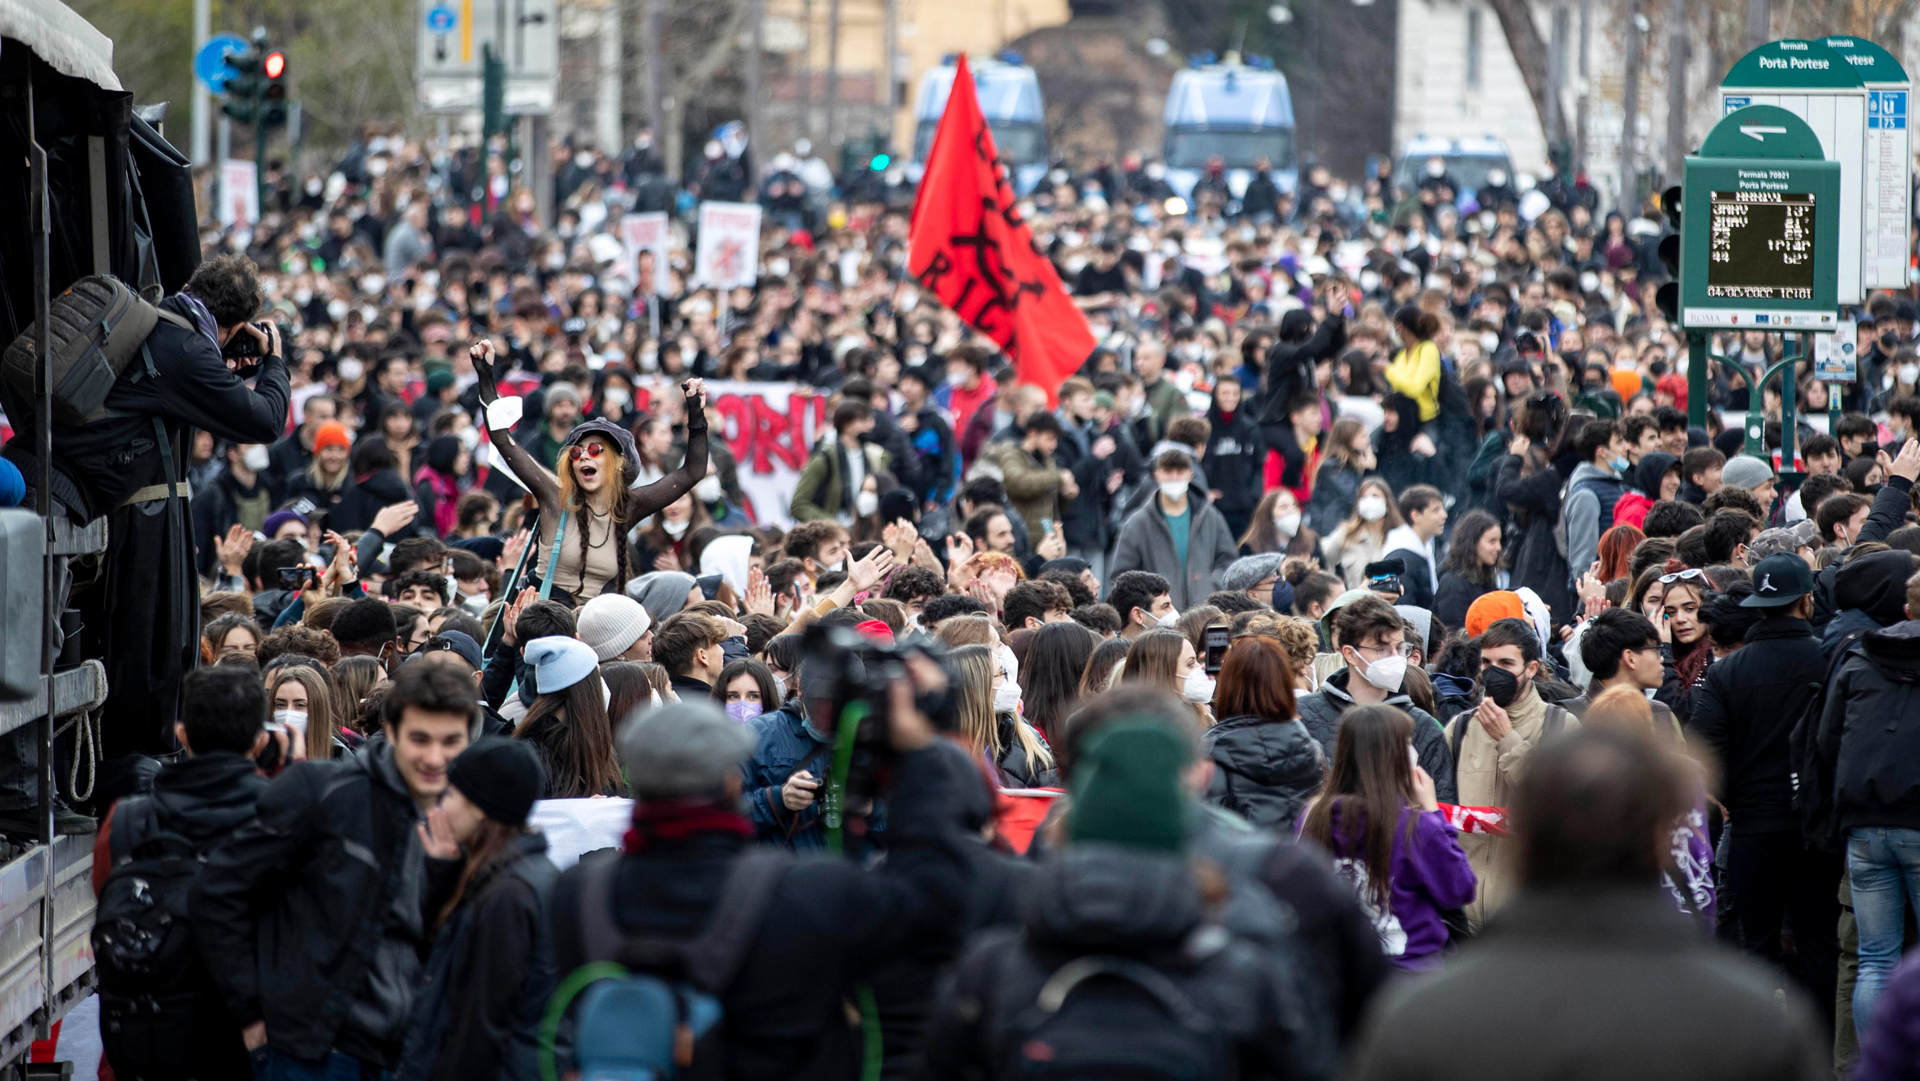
(1415, 373)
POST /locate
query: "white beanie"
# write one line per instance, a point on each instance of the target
(611, 623)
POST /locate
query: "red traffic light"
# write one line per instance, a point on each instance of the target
(276, 64)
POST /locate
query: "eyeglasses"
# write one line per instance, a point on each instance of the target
(1404, 649)
(585, 450)
(1682, 576)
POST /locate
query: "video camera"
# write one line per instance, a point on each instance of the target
(861, 672)
(1383, 576)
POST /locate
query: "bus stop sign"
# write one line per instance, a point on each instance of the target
(1760, 235)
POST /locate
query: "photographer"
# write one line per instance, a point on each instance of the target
(142, 605)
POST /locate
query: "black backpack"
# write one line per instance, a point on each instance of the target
(1099, 1017)
(99, 325)
(152, 981)
(1813, 775)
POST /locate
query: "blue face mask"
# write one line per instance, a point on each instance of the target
(1619, 465)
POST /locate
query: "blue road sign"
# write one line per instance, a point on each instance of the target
(441, 19)
(209, 64)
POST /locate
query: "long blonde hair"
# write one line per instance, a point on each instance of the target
(320, 719)
(978, 725)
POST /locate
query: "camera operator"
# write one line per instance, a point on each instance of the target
(822, 926)
(141, 609)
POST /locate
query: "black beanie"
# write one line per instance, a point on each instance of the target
(500, 776)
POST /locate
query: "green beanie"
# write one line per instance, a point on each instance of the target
(1127, 790)
(438, 380)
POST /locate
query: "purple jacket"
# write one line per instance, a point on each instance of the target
(1430, 873)
(1891, 1051)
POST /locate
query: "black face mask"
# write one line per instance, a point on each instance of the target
(1889, 341)
(1500, 685)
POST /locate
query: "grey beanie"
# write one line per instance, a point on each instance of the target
(684, 749)
(1745, 471)
(1249, 571)
(662, 593)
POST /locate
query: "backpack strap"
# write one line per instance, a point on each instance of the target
(1554, 722)
(713, 958)
(1458, 737)
(600, 936)
(1068, 977)
(134, 820)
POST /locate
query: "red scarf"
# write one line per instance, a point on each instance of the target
(679, 819)
(446, 503)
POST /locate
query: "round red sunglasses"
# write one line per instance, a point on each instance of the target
(585, 450)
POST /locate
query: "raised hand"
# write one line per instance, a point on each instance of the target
(481, 354)
(1907, 463)
(864, 573)
(694, 392)
(527, 596)
(394, 517)
(759, 593)
(233, 548)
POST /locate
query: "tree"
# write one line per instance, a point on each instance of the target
(1530, 56)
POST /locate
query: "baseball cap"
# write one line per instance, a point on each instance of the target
(1779, 580)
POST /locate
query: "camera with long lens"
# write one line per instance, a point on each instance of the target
(856, 691)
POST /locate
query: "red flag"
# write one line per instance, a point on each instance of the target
(970, 246)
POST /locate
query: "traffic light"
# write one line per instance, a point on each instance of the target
(1667, 297)
(245, 81)
(273, 70)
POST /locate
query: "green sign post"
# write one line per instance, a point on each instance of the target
(1760, 240)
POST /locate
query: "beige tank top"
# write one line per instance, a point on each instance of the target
(603, 559)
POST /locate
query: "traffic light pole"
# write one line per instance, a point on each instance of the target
(1697, 379)
(260, 146)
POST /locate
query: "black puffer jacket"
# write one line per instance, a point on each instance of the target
(1321, 711)
(292, 911)
(1116, 903)
(1264, 770)
(1871, 730)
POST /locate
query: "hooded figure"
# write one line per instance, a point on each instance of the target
(728, 557)
(1643, 488)
(1868, 593)
(437, 484)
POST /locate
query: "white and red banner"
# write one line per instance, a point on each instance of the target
(728, 252)
(771, 429)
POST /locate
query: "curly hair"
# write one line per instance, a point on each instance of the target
(301, 639)
(229, 286)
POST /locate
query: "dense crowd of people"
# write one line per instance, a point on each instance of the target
(1367, 599)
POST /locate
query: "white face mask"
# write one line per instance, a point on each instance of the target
(1173, 489)
(1009, 665)
(616, 396)
(1288, 523)
(1006, 697)
(1169, 619)
(1372, 508)
(255, 458)
(675, 529)
(477, 603)
(294, 719)
(1387, 672)
(350, 367)
(1197, 687)
(865, 503)
(780, 684)
(468, 437)
(1910, 374)
(707, 490)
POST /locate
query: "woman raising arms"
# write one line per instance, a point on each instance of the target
(589, 497)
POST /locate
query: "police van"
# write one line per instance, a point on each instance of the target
(1238, 111)
(1009, 94)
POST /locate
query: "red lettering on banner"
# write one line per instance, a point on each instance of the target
(761, 436)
